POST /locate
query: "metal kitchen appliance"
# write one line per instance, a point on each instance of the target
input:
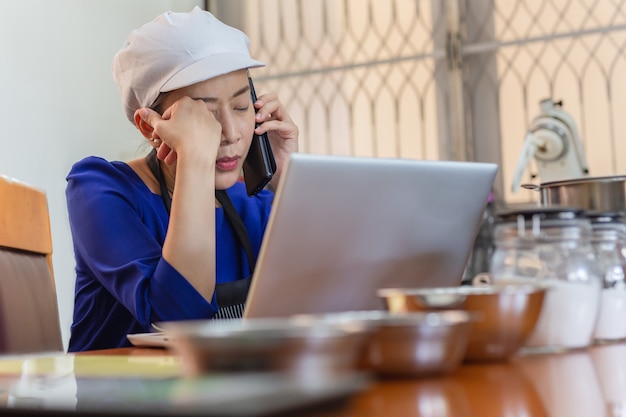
(589, 193)
(553, 142)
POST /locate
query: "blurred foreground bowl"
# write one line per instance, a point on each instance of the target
(409, 345)
(506, 314)
(306, 351)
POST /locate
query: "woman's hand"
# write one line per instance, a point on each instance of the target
(282, 131)
(184, 126)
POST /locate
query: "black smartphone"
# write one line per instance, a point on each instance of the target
(259, 166)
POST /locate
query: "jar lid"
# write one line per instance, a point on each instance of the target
(543, 213)
(597, 217)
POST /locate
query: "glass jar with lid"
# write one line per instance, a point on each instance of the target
(609, 244)
(552, 246)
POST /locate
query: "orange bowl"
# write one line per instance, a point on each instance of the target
(505, 314)
(408, 345)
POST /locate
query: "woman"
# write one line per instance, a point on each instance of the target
(152, 243)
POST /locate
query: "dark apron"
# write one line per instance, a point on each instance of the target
(231, 296)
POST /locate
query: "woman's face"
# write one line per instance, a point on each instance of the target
(228, 97)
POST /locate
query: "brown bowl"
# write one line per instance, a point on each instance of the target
(506, 314)
(412, 345)
(267, 345)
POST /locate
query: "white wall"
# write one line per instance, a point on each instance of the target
(58, 101)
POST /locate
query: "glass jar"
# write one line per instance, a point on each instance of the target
(609, 244)
(552, 246)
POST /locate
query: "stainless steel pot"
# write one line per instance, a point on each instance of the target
(590, 193)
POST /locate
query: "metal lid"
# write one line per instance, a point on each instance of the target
(583, 180)
(542, 213)
(598, 217)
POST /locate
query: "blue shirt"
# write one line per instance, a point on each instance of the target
(122, 283)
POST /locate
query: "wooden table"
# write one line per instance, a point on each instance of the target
(585, 383)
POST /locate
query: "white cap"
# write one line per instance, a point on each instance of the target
(177, 50)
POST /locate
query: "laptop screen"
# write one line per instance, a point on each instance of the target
(343, 227)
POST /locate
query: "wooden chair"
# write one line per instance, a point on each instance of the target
(29, 316)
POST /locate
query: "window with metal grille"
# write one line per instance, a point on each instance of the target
(442, 79)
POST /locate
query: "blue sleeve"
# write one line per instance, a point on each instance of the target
(118, 229)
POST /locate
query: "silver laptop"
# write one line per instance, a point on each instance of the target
(343, 227)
